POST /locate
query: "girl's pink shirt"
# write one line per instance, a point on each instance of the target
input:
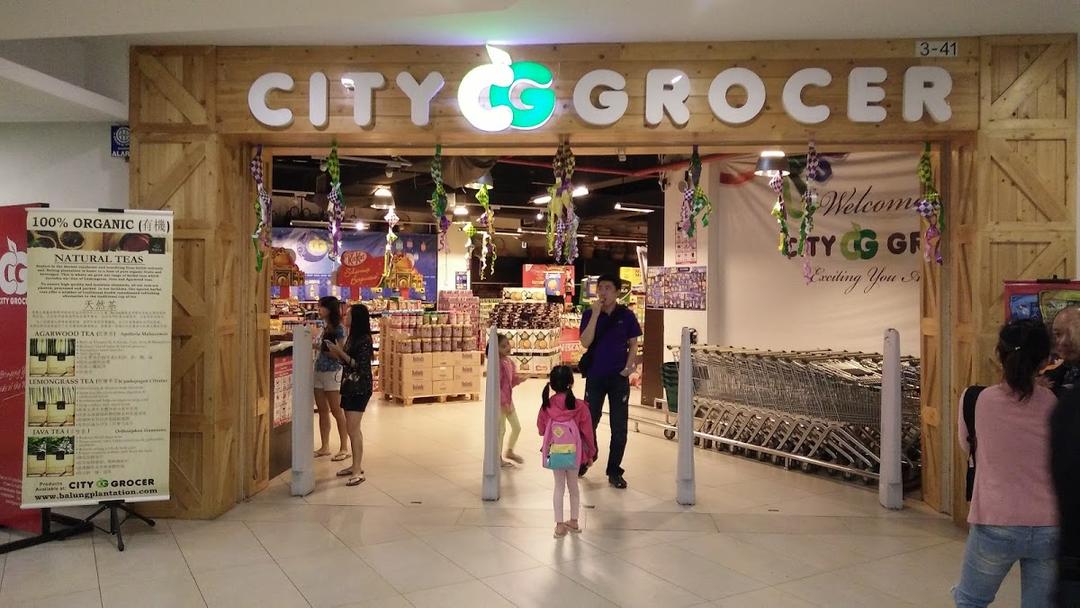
(508, 379)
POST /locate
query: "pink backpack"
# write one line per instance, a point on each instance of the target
(562, 444)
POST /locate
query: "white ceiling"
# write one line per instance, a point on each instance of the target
(283, 22)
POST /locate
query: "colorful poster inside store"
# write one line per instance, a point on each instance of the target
(283, 389)
(13, 280)
(536, 275)
(303, 269)
(461, 280)
(1040, 300)
(554, 283)
(588, 289)
(685, 249)
(632, 276)
(862, 262)
(99, 357)
(678, 287)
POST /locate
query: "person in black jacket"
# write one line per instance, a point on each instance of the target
(1065, 468)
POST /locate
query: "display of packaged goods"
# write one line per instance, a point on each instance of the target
(524, 294)
(531, 315)
(532, 340)
(463, 302)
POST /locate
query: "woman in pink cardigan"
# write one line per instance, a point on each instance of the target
(1013, 512)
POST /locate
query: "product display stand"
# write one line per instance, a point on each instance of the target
(72, 527)
(114, 507)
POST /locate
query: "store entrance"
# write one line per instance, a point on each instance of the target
(436, 299)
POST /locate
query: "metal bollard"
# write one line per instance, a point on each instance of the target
(492, 458)
(890, 482)
(685, 492)
(303, 423)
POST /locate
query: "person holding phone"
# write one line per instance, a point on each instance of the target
(328, 380)
(609, 333)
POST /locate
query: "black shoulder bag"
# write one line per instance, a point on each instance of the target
(971, 397)
(586, 360)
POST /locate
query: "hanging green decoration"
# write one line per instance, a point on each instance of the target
(700, 205)
(930, 208)
(779, 211)
(335, 206)
(392, 220)
(260, 238)
(438, 198)
(487, 222)
(562, 220)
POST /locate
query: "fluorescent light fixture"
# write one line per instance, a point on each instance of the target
(383, 192)
(579, 192)
(499, 233)
(383, 206)
(523, 231)
(542, 200)
(600, 239)
(358, 226)
(772, 163)
(461, 210)
(483, 180)
(348, 83)
(622, 207)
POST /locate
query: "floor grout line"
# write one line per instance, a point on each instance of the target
(274, 559)
(191, 572)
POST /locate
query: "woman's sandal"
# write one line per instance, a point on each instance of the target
(321, 454)
(340, 456)
(355, 481)
(346, 472)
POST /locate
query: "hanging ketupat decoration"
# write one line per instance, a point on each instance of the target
(930, 208)
(810, 205)
(335, 208)
(487, 222)
(562, 221)
(392, 220)
(260, 238)
(438, 199)
(470, 232)
(779, 211)
(700, 205)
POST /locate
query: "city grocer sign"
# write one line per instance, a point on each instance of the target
(508, 94)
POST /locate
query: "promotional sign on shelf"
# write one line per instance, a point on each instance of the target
(99, 349)
(13, 278)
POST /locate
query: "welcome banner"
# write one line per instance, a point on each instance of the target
(98, 348)
(864, 254)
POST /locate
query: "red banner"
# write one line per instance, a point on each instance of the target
(360, 269)
(13, 271)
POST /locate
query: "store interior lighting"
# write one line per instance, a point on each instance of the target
(622, 207)
(601, 239)
(772, 163)
(577, 192)
(460, 210)
(383, 192)
(483, 180)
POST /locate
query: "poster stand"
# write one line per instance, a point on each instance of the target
(73, 526)
(114, 507)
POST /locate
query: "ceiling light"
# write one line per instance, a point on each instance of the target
(383, 192)
(498, 233)
(542, 200)
(579, 192)
(522, 231)
(622, 207)
(461, 210)
(772, 163)
(483, 180)
(348, 83)
(358, 226)
(540, 215)
(383, 206)
(599, 239)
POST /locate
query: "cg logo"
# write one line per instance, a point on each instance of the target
(859, 244)
(13, 271)
(103, 483)
(504, 94)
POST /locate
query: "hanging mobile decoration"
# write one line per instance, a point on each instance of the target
(438, 198)
(562, 221)
(260, 238)
(687, 204)
(487, 222)
(700, 205)
(470, 232)
(810, 205)
(779, 211)
(929, 208)
(335, 209)
(392, 220)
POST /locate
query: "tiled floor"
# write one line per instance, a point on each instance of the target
(417, 534)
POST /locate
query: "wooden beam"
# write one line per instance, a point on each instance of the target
(1025, 86)
(1026, 180)
(161, 192)
(172, 89)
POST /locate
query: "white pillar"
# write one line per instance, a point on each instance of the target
(890, 482)
(303, 429)
(492, 458)
(684, 468)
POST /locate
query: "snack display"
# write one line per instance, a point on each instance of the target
(532, 315)
(431, 354)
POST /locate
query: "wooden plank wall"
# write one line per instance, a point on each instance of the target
(1016, 198)
(1006, 165)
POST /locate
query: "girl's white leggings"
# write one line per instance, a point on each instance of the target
(566, 478)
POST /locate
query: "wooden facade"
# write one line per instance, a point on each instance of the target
(1006, 163)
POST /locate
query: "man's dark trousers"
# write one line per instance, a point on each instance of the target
(616, 388)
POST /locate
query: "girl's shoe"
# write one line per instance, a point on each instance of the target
(572, 526)
(510, 455)
(561, 530)
(506, 464)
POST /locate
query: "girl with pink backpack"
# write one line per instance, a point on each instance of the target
(566, 425)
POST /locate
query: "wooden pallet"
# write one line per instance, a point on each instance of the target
(438, 398)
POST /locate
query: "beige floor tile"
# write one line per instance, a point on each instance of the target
(704, 578)
(285, 540)
(335, 577)
(749, 560)
(78, 599)
(72, 561)
(539, 544)
(626, 584)
(544, 587)
(839, 590)
(480, 553)
(147, 556)
(176, 591)
(614, 540)
(262, 585)
(471, 593)
(672, 522)
(411, 565)
(215, 545)
(763, 598)
(335, 492)
(396, 601)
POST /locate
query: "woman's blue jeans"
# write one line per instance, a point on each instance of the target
(990, 554)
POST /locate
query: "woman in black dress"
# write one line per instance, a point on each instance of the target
(356, 385)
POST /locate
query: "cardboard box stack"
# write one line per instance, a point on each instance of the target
(419, 362)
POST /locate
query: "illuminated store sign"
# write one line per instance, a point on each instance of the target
(505, 94)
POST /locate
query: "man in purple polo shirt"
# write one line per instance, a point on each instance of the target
(615, 330)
